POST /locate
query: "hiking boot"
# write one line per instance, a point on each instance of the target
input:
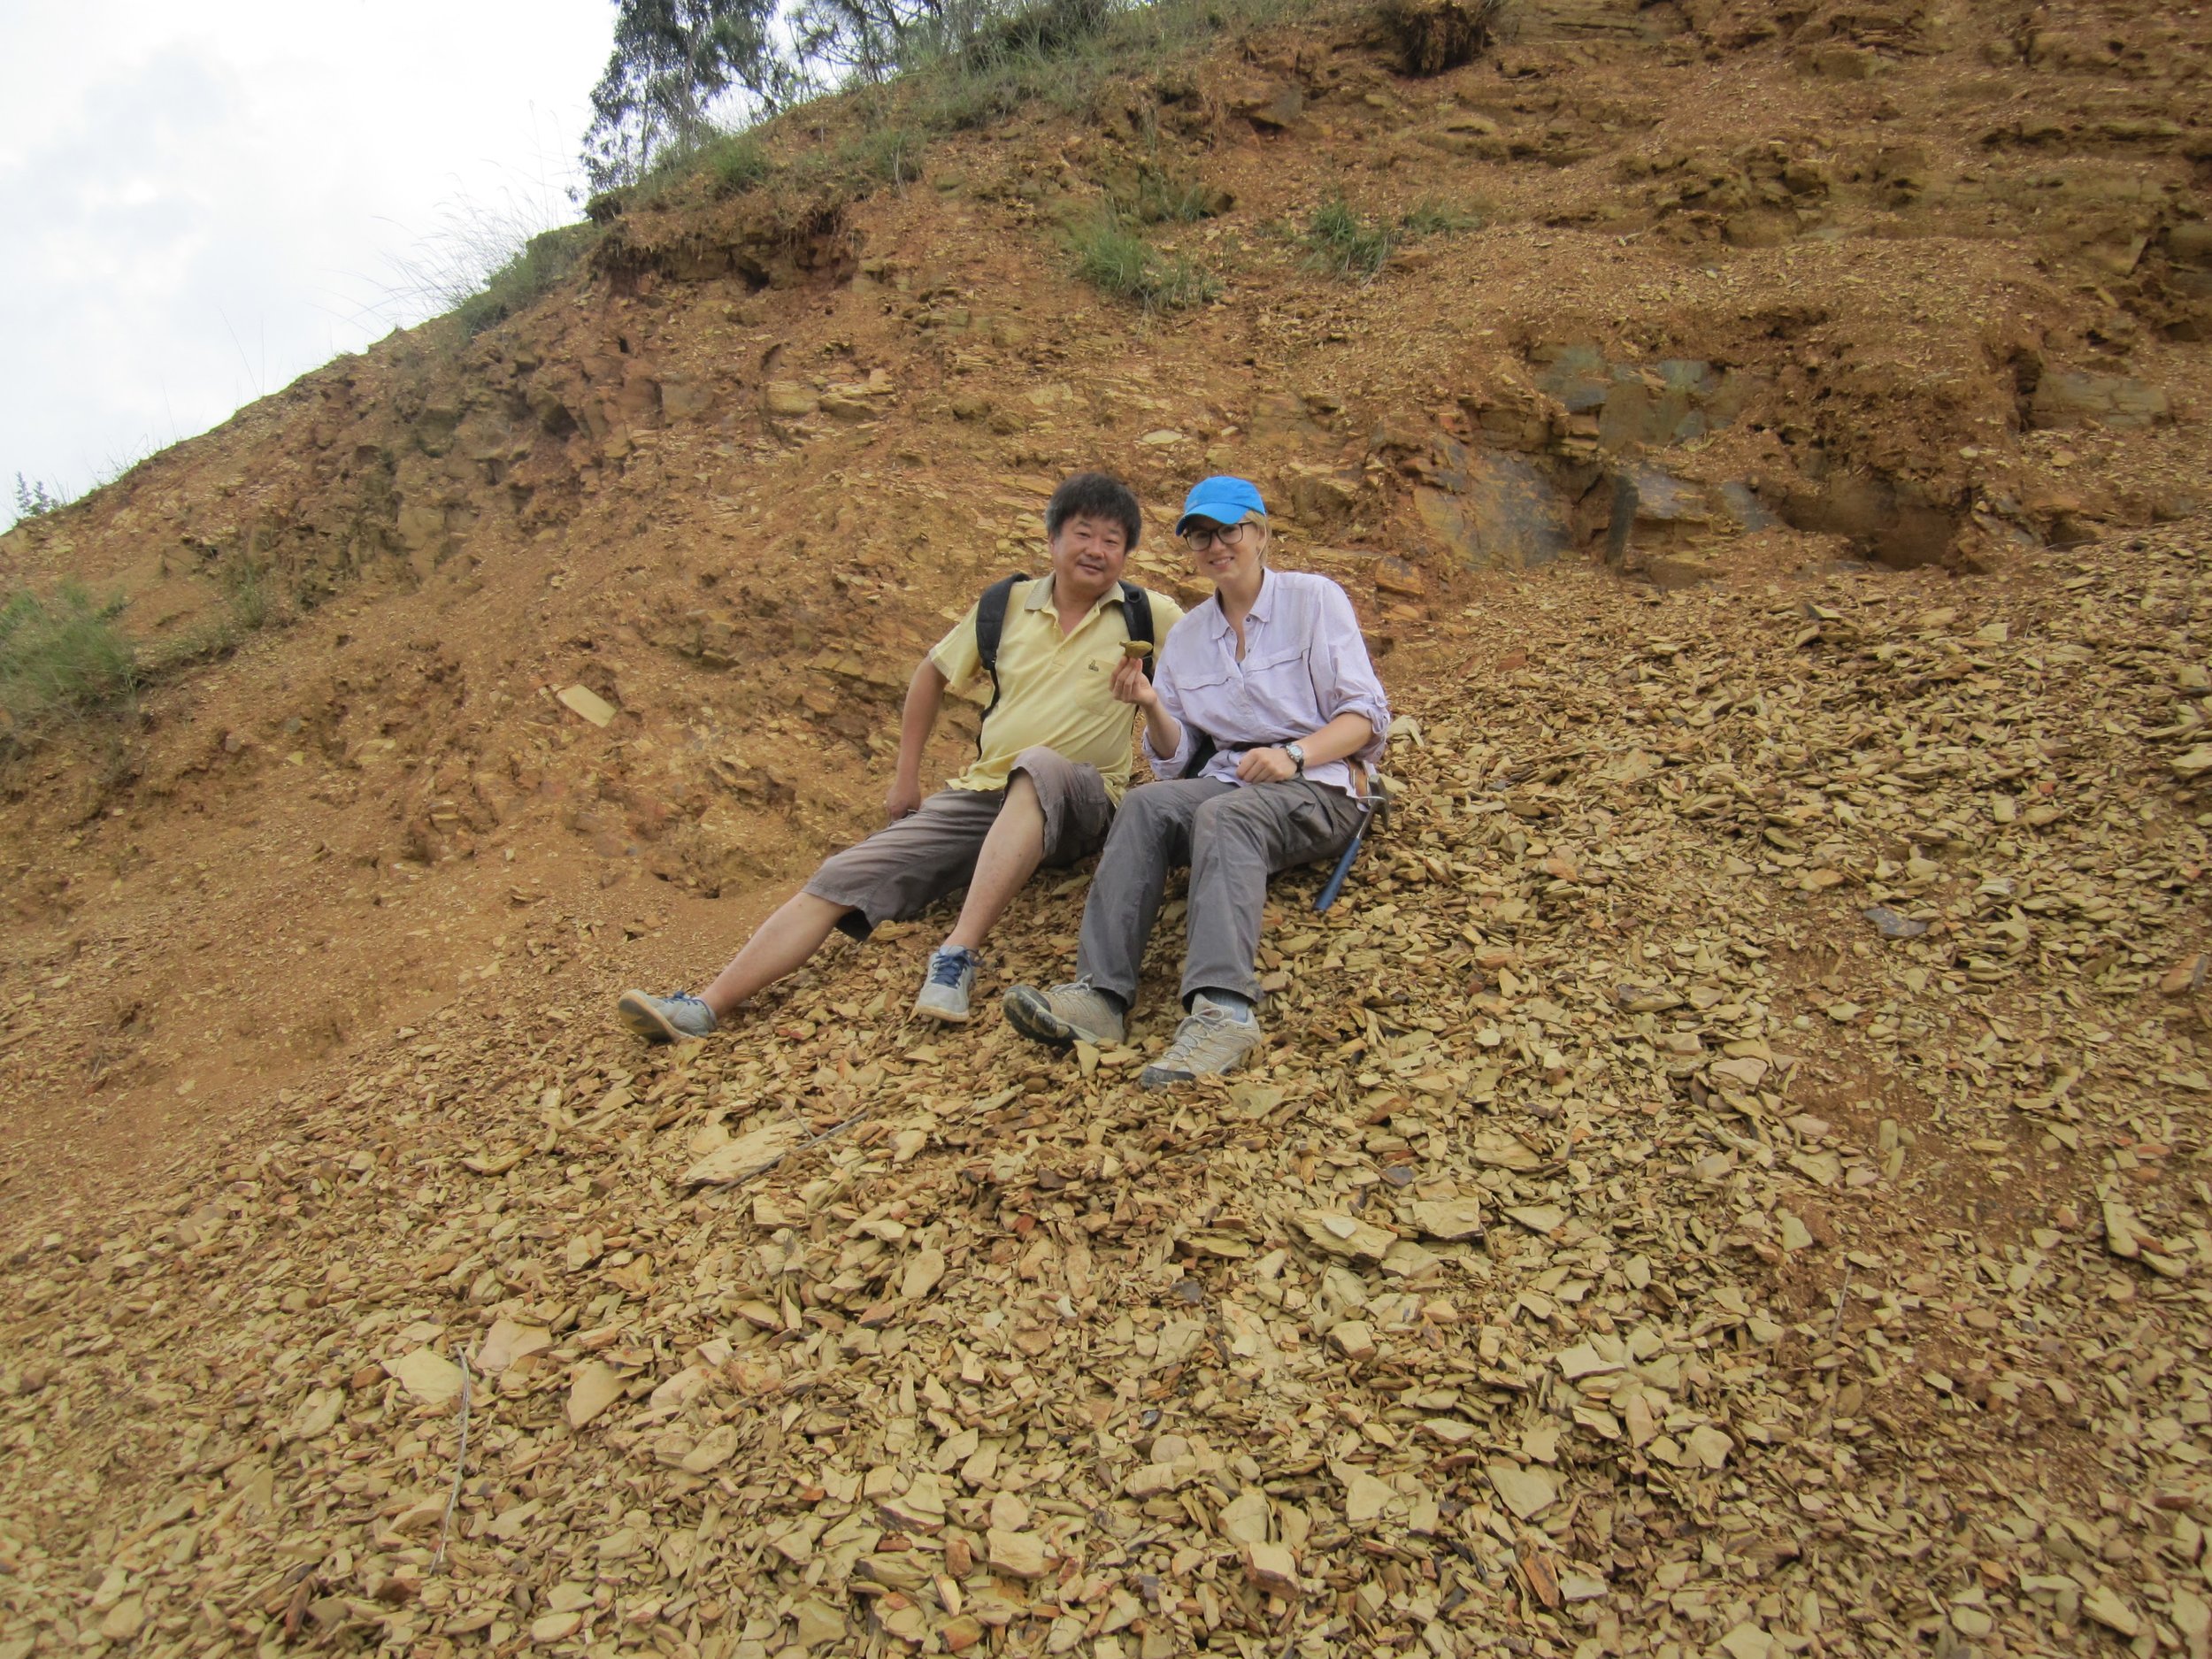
(1065, 1014)
(1208, 1042)
(945, 987)
(673, 1019)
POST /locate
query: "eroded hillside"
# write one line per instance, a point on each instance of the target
(1924, 279)
(1726, 1173)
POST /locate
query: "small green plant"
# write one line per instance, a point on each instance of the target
(1117, 261)
(1156, 195)
(527, 278)
(946, 101)
(1432, 218)
(730, 163)
(247, 595)
(33, 499)
(735, 164)
(62, 659)
(250, 603)
(888, 155)
(1339, 242)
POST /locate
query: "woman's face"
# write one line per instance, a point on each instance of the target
(1222, 553)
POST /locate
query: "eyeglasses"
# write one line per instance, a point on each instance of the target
(1227, 534)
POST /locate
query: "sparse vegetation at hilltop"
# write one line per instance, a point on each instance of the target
(531, 274)
(925, 81)
(736, 163)
(925, 76)
(33, 499)
(959, 66)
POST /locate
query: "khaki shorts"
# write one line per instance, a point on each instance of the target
(904, 869)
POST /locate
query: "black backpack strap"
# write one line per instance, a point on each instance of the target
(1136, 616)
(1203, 750)
(990, 627)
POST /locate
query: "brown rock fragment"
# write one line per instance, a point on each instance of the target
(1271, 1569)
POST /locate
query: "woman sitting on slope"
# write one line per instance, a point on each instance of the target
(1260, 700)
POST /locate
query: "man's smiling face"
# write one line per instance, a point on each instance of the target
(1088, 556)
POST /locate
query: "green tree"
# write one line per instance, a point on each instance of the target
(673, 60)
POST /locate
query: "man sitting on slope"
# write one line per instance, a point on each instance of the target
(1052, 763)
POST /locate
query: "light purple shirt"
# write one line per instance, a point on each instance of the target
(1304, 664)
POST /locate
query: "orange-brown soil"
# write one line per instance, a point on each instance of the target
(1788, 498)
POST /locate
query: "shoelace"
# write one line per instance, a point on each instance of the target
(947, 966)
(1189, 1036)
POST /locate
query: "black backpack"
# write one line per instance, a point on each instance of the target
(990, 627)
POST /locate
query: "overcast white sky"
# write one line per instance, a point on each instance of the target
(200, 201)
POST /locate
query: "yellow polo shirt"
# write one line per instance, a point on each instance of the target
(1053, 690)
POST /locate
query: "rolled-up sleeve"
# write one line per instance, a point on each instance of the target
(1344, 678)
(1168, 767)
(958, 656)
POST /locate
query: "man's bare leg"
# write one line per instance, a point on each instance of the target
(778, 946)
(1009, 856)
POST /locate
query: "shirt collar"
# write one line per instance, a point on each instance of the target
(1039, 595)
(1262, 604)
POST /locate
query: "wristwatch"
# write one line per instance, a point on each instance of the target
(1297, 753)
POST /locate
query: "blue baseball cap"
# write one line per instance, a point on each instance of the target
(1223, 499)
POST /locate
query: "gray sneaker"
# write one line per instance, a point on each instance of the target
(1065, 1014)
(673, 1019)
(945, 988)
(1208, 1043)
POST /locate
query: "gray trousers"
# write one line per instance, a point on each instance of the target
(1232, 837)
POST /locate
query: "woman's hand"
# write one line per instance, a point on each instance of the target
(1131, 684)
(904, 800)
(1266, 765)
